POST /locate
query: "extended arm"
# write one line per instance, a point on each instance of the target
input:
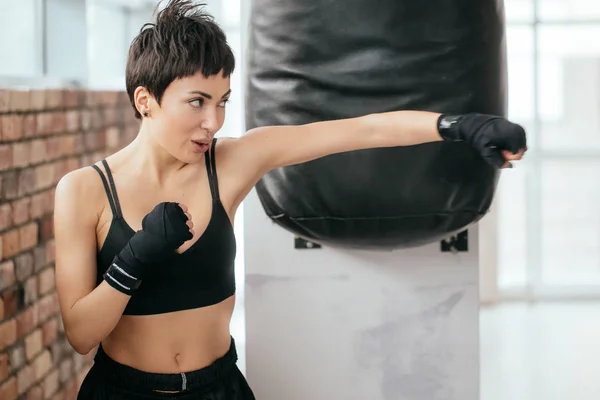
(497, 139)
(279, 146)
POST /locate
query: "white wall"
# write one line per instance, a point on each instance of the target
(332, 324)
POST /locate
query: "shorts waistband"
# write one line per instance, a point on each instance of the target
(128, 377)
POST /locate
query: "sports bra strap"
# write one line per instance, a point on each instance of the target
(113, 189)
(212, 172)
(113, 200)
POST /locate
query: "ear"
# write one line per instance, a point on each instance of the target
(143, 100)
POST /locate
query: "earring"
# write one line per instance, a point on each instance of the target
(145, 113)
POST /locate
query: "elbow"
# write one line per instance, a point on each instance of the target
(80, 344)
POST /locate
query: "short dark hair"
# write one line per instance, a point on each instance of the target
(182, 40)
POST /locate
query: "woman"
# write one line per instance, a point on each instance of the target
(144, 240)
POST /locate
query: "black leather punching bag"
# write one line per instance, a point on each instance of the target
(329, 59)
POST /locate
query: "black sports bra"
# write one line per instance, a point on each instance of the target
(203, 275)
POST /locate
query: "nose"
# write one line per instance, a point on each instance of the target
(210, 120)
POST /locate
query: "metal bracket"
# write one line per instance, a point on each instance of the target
(300, 243)
(457, 243)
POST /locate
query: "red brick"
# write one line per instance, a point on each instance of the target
(27, 321)
(31, 290)
(10, 243)
(39, 256)
(66, 370)
(59, 122)
(73, 164)
(109, 98)
(20, 210)
(36, 393)
(47, 228)
(26, 181)
(7, 274)
(8, 333)
(44, 176)
(29, 236)
(10, 299)
(21, 154)
(33, 344)
(12, 127)
(72, 389)
(6, 156)
(43, 123)
(25, 378)
(6, 217)
(53, 149)
(19, 100)
(50, 251)
(16, 357)
(4, 366)
(72, 98)
(37, 100)
(46, 281)
(61, 395)
(72, 120)
(49, 332)
(86, 120)
(112, 137)
(8, 390)
(39, 205)
(23, 266)
(42, 364)
(110, 116)
(30, 126)
(38, 151)
(51, 383)
(68, 145)
(54, 98)
(4, 100)
(47, 307)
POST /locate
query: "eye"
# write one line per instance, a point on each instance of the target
(196, 102)
(223, 103)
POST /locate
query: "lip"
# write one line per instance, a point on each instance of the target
(199, 146)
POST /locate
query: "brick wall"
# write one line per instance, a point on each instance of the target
(43, 135)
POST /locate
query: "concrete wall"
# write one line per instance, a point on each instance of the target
(330, 324)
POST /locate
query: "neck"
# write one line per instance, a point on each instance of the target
(148, 156)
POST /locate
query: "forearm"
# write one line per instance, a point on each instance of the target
(400, 128)
(94, 317)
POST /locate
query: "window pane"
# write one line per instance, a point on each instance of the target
(569, 85)
(512, 228)
(570, 222)
(65, 37)
(20, 39)
(518, 10)
(511, 194)
(569, 9)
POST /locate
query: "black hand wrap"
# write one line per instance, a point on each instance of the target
(164, 230)
(489, 134)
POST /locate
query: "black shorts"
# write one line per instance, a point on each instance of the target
(107, 379)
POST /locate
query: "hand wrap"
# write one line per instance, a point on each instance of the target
(489, 134)
(164, 230)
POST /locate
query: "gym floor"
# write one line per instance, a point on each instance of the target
(543, 351)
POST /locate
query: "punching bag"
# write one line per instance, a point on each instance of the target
(329, 59)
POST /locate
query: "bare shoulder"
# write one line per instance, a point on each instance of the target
(80, 192)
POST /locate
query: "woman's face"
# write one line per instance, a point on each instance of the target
(191, 112)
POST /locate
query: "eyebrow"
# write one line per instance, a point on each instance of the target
(208, 96)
